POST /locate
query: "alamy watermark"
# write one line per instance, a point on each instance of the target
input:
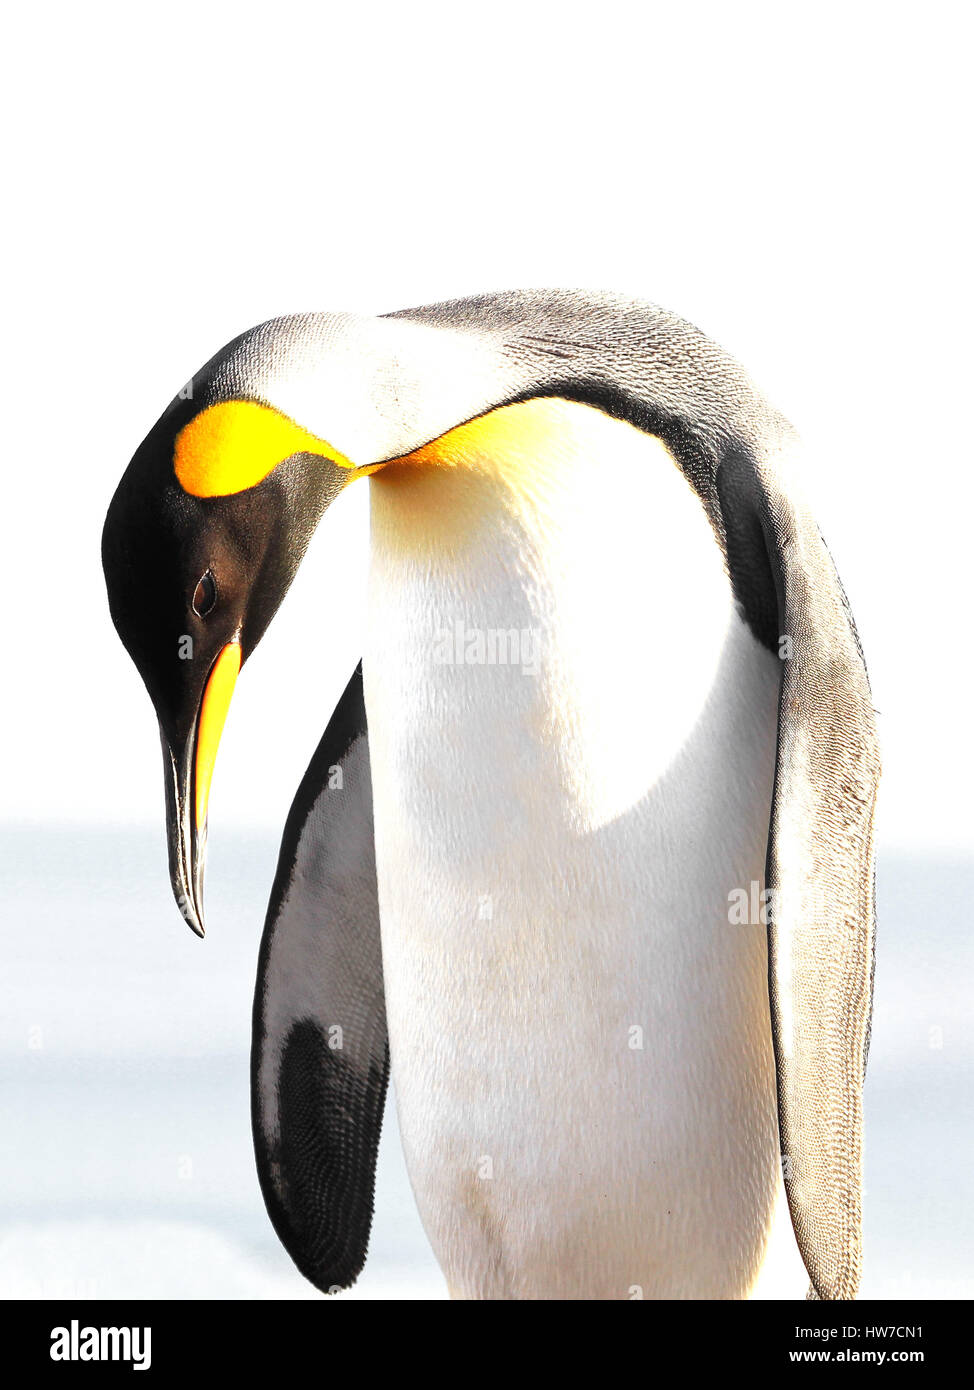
(77, 1343)
(460, 645)
(754, 905)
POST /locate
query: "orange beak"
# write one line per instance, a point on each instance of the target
(213, 714)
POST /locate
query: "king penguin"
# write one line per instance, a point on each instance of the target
(586, 849)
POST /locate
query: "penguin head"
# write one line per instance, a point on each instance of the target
(202, 539)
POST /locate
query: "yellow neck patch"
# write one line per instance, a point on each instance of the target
(510, 442)
(233, 445)
(505, 440)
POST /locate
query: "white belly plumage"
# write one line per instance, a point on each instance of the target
(572, 744)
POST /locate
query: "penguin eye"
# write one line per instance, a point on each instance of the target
(205, 595)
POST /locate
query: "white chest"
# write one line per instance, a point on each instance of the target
(572, 743)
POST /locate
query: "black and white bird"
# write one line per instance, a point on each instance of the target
(586, 848)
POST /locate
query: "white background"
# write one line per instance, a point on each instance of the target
(794, 180)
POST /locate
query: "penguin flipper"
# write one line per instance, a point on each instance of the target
(820, 873)
(320, 1057)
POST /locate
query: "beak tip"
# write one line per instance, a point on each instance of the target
(191, 915)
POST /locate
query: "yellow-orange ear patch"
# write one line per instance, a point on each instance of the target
(233, 445)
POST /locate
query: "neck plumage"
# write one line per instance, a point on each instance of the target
(372, 389)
